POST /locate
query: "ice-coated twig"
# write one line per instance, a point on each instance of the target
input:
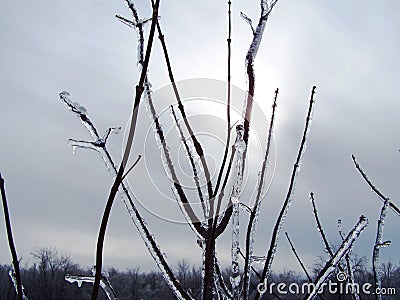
(169, 277)
(298, 258)
(197, 146)
(340, 229)
(190, 155)
(247, 20)
(13, 277)
(131, 134)
(319, 226)
(158, 130)
(245, 207)
(348, 262)
(136, 217)
(221, 281)
(131, 167)
(378, 272)
(288, 199)
(250, 56)
(373, 188)
(255, 211)
(344, 248)
(11, 245)
(104, 284)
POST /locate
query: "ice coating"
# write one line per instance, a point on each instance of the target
(340, 253)
(73, 106)
(240, 147)
(104, 283)
(193, 159)
(11, 273)
(377, 268)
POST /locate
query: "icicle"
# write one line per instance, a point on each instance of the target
(240, 147)
(104, 283)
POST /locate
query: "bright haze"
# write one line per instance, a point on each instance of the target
(349, 50)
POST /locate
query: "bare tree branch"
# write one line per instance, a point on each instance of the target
(254, 212)
(331, 265)
(285, 207)
(298, 258)
(319, 226)
(10, 238)
(378, 272)
(131, 134)
(373, 188)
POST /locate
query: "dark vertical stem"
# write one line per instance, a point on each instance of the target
(298, 258)
(117, 181)
(228, 102)
(11, 240)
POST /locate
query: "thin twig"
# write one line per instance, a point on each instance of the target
(228, 102)
(11, 240)
(379, 244)
(298, 258)
(254, 212)
(373, 188)
(132, 167)
(131, 134)
(331, 265)
(191, 160)
(319, 226)
(196, 143)
(285, 207)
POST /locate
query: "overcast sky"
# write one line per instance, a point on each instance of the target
(349, 50)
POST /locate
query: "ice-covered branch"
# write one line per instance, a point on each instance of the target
(319, 226)
(131, 134)
(221, 281)
(255, 211)
(331, 265)
(190, 154)
(19, 290)
(373, 188)
(288, 200)
(104, 283)
(16, 274)
(136, 217)
(197, 146)
(378, 272)
(159, 133)
(348, 262)
(250, 56)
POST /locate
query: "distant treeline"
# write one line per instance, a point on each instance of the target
(45, 280)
